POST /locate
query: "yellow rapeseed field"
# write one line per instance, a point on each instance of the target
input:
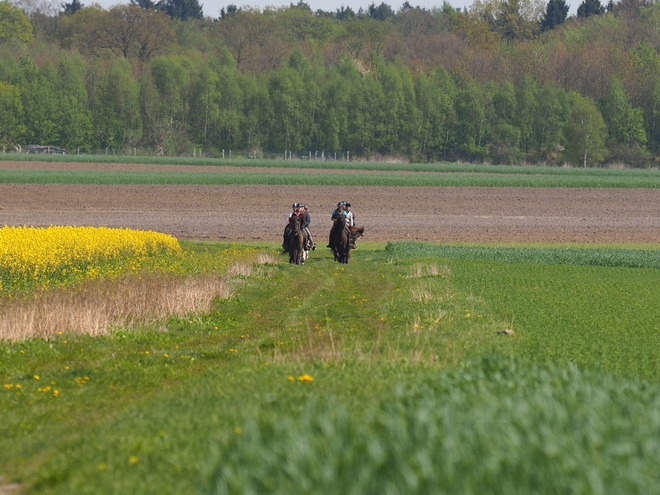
(47, 256)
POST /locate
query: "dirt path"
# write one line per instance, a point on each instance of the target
(258, 213)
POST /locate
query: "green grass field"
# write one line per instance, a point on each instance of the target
(386, 375)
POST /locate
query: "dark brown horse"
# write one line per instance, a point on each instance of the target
(296, 241)
(340, 237)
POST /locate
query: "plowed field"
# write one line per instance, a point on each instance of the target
(258, 213)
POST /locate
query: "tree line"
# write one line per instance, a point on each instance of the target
(512, 81)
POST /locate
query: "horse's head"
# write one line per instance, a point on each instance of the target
(357, 231)
(295, 223)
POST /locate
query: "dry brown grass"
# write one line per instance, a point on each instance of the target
(419, 270)
(95, 307)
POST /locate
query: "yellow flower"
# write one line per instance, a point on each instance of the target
(36, 377)
(290, 378)
(133, 459)
(305, 378)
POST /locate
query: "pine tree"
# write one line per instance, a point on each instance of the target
(72, 8)
(555, 14)
(590, 7)
(183, 9)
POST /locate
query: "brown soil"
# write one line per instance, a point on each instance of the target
(258, 213)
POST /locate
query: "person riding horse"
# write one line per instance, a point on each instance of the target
(344, 210)
(299, 209)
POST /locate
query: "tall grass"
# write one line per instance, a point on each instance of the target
(87, 280)
(96, 307)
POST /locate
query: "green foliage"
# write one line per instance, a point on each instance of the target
(11, 115)
(115, 106)
(14, 24)
(555, 14)
(414, 83)
(556, 428)
(625, 123)
(590, 8)
(585, 133)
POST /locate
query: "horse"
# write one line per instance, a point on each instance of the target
(296, 241)
(340, 237)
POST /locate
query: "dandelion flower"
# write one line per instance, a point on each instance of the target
(305, 378)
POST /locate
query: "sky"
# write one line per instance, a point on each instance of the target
(212, 7)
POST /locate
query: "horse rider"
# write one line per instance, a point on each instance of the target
(287, 231)
(350, 221)
(350, 218)
(341, 211)
(307, 219)
(300, 210)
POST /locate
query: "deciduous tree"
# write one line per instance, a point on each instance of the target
(585, 132)
(128, 31)
(14, 24)
(11, 115)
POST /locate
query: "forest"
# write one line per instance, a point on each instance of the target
(499, 82)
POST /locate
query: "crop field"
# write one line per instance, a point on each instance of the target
(505, 342)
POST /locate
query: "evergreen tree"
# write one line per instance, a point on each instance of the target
(72, 7)
(344, 13)
(555, 14)
(183, 9)
(230, 11)
(381, 12)
(590, 7)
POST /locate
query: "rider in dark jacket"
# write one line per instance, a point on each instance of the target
(300, 209)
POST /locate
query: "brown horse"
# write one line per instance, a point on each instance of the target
(340, 236)
(296, 241)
